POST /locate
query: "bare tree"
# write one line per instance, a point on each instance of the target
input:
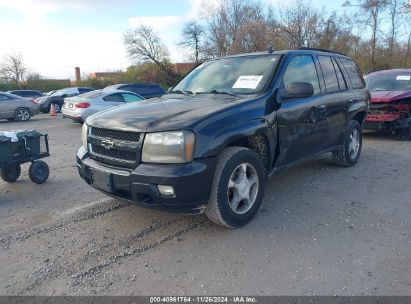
(299, 22)
(145, 46)
(12, 69)
(370, 15)
(192, 37)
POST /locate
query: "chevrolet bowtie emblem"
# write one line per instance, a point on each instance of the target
(107, 144)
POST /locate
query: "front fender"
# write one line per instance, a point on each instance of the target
(210, 144)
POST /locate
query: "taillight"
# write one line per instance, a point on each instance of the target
(82, 105)
(33, 101)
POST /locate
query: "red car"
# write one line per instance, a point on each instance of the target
(390, 106)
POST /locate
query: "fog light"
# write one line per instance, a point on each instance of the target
(166, 190)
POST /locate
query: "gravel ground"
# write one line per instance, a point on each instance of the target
(323, 230)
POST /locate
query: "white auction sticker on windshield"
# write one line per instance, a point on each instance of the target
(247, 82)
(404, 77)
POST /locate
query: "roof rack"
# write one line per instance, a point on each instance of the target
(321, 50)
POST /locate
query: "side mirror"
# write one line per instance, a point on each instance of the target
(299, 90)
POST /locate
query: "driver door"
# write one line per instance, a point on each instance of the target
(302, 122)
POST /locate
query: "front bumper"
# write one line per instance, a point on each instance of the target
(191, 182)
(384, 122)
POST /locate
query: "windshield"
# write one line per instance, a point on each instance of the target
(235, 75)
(390, 82)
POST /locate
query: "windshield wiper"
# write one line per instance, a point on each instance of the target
(217, 92)
(182, 92)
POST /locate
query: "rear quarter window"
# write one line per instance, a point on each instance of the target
(353, 73)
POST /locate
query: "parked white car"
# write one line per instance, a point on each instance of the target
(80, 107)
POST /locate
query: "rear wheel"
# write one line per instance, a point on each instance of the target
(350, 153)
(39, 172)
(57, 107)
(10, 173)
(238, 188)
(22, 114)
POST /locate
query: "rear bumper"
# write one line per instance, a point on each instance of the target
(74, 118)
(191, 182)
(35, 110)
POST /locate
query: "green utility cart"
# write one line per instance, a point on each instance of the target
(24, 146)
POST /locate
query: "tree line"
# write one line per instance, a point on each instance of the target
(376, 33)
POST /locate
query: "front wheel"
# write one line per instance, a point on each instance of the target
(348, 156)
(238, 188)
(10, 173)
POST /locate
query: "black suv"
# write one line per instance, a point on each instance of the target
(57, 98)
(210, 144)
(147, 90)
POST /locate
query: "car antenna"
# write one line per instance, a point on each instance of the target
(270, 49)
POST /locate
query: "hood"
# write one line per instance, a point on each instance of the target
(388, 96)
(161, 114)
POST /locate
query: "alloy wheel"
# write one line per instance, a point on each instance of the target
(243, 188)
(354, 144)
(23, 114)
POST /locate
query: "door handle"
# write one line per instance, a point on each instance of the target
(350, 101)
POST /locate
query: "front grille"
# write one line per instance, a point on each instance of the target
(116, 134)
(125, 148)
(114, 153)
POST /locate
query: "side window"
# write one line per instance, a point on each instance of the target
(82, 91)
(341, 81)
(130, 97)
(353, 73)
(128, 88)
(302, 69)
(114, 97)
(4, 97)
(330, 77)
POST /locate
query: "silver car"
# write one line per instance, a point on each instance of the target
(80, 107)
(13, 107)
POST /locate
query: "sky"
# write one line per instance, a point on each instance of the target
(54, 36)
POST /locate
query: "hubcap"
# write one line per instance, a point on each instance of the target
(23, 115)
(242, 188)
(354, 144)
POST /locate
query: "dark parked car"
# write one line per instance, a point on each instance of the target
(147, 90)
(210, 144)
(390, 107)
(57, 98)
(27, 93)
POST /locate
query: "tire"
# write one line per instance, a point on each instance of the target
(57, 107)
(22, 114)
(11, 173)
(39, 172)
(228, 205)
(349, 155)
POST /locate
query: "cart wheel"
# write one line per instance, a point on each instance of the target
(10, 173)
(39, 172)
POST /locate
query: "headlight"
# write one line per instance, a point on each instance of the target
(84, 134)
(168, 147)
